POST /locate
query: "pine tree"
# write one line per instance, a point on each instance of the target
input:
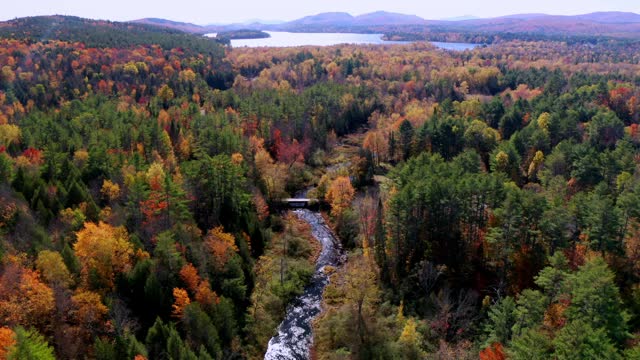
(30, 345)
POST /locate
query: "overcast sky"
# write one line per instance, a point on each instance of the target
(227, 11)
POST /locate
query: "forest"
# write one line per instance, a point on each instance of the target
(487, 200)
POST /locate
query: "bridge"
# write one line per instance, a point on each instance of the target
(299, 203)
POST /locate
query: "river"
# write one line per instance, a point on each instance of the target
(295, 336)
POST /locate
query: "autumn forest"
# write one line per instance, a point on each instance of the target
(486, 201)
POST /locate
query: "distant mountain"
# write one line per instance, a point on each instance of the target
(388, 18)
(611, 17)
(182, 26)
(461, 18)
(329, 18)
(608, 17)
(345, 19)
(262, 21)
(518, 16)
(616, 24)
(533, 25)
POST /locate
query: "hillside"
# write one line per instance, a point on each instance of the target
(486, 30)
(330, 18)
(103, 34)
(388, 18)
(522, 26)
(176, 25)
(595, 24)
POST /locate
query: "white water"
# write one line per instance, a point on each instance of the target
(295, 336)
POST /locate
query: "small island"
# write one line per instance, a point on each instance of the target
(403, 36)
(242, 34)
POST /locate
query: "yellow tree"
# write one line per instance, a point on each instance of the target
(535, 164)
(340, 194)
(273, 174)
(9, 134)
(375, 142)
(53, 269)
(88, 312)
(103, 252)
(182, 300)
(110, 190)
(361, 291)
(222, 246)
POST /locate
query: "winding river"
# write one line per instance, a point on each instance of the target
(294, 338)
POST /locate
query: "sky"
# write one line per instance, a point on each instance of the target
(228, 11)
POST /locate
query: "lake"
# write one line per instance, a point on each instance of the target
(285, 39)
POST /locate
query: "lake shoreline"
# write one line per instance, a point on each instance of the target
(291, 39)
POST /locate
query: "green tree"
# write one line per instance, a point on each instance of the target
(500, 321)
(532, 344)
(529, 311)
(604, 130)
(579, 341)
(30, 345)
(595, 300)
(406, 138)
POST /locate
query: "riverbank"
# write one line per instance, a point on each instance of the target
(281, 274)
(295, 336)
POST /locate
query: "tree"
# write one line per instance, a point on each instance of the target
(24, 299)
(181, 301)
(493, 352)
(532, 344)
(410, 340)
(367, 216)
(578, 340)
(535, 164)
(272, 174)
(481, 137)
(222, 246)
(501, 321)
(529, 311)
(104, 251)
(219, 186)
(361, 292)
(189, 275)
(110, 190)
(200, 329)
(53, 269)
(7, 340)
(406, 138)
(30, 345)
(604, 130)
(88, 312)
(380, 243)
(595, 300)
(340, 194)
(9, 134)
(166, 202)
(375, 142)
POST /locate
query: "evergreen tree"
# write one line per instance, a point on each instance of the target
(30, 345)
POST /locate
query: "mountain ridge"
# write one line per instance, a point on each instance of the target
(385, 18)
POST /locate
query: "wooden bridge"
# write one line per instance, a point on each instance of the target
(299, 202)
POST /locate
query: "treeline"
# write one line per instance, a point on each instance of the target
(105, 34)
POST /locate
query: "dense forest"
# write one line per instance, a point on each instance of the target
(488, 200)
